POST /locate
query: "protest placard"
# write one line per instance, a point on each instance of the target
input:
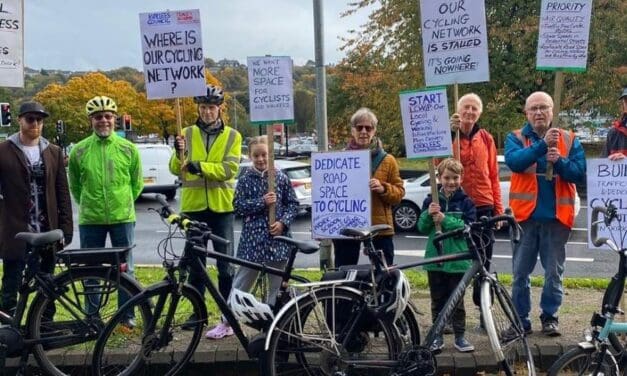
(454, 42)
(341, 192)
(563, 36)
(174, 65)
(270, 89)
(12, 46)
(607, 183)
(425, 123)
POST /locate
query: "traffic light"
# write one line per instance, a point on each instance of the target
(6, 114)
(127, 122)
(60, 127)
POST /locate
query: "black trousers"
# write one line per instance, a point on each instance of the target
(441, 286)
(486, 239)
(12, 278)
(347, 250)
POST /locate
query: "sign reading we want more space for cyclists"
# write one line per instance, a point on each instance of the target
(174, 65)
(270, 89)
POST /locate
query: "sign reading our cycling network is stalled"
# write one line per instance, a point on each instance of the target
(563, 36)
(340, 192)
(454, 41)
(12, 46)
(271, 90)
(174, 66)
(426, 123)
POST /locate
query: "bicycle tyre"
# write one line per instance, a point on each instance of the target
(505, 330)
(77, 330)
(120, 351)
(306, 332)
(407, 328)
(583, 362)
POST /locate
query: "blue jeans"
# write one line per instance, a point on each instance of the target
(121, 235)
(547, 240)
(221, 224)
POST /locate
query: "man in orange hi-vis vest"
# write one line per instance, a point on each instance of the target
(544, 208)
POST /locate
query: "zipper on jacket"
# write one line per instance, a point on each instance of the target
(104, 182)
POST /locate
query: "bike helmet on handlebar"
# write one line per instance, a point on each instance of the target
(215, 95)
(395, 294)
(249, 310)
(100, 103)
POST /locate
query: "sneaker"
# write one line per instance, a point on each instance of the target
(462, 345)
(437, 345)
(220, 331)
(511, 333)
(550, 328)
(448, 329)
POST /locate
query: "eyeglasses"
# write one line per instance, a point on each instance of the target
(541, 108)
(101, 116)
(33, 119)
(367, 128)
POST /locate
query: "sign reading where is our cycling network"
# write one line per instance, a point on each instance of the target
(271, 90)
(563, 36)
(174, 65)
(607, 184)
(426, 123)
(12, 46)
(340, 193)
(455, 42)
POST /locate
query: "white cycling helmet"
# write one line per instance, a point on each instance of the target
(248, 309)
(396, 294)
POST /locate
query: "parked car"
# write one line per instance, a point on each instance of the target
(300, 176)
(157, 175)
(406, 213)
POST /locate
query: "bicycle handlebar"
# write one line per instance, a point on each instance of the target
(594, 230)
(187, 224)
(483, 223)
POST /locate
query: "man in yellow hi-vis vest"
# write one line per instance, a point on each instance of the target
(212, 155)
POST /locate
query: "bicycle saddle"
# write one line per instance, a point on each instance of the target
(305, 246)
(36, 239)
(364, 233)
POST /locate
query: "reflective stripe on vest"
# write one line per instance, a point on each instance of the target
(523, 192)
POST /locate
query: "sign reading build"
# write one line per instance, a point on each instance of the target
(11, 43)
(174, 65)
(271, 90)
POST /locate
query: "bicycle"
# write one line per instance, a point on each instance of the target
(309, 328)
(160, 336)
(60, 326)
(602, 352)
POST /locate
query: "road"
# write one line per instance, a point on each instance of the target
(580, 261)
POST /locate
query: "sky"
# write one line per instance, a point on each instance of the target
(87, 35)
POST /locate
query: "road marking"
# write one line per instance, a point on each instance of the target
(421, 253)
(498, 240)
(413, 253)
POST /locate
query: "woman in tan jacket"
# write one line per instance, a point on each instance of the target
(386, 187)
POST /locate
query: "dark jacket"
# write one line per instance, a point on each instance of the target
(14, 186)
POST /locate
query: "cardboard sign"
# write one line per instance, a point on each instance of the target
(425, 123)
(12, 45)
(174, 65)
(340, 192)
(607, 183)
(454, 42)
(564, 34)
(271, 89)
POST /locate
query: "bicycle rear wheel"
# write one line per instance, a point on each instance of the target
(317, 336)
(159, 339)
(578, 361)
(65, 326)
(505, 331)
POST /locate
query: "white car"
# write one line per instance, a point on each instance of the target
(300, 176)
(157, 176)
(406, 213)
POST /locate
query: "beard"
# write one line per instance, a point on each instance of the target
(32, 133)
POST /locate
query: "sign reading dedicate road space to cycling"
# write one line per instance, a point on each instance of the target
(270, 89)
(425, 123)
(564, 34)
(607, 183)
(340, 192)
(174, 66)
(454, 41)
(12, 45)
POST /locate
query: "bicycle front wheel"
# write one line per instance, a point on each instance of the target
(319, 335)
(169, 336)
(505, 331)
(578, 361)
(65, 327)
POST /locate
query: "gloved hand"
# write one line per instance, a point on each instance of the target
(193, 167)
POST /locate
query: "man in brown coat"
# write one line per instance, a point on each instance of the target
(35, 196)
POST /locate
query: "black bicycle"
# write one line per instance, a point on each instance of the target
(61, 324)
(602, 353)
(120, 351)
(324, 331)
